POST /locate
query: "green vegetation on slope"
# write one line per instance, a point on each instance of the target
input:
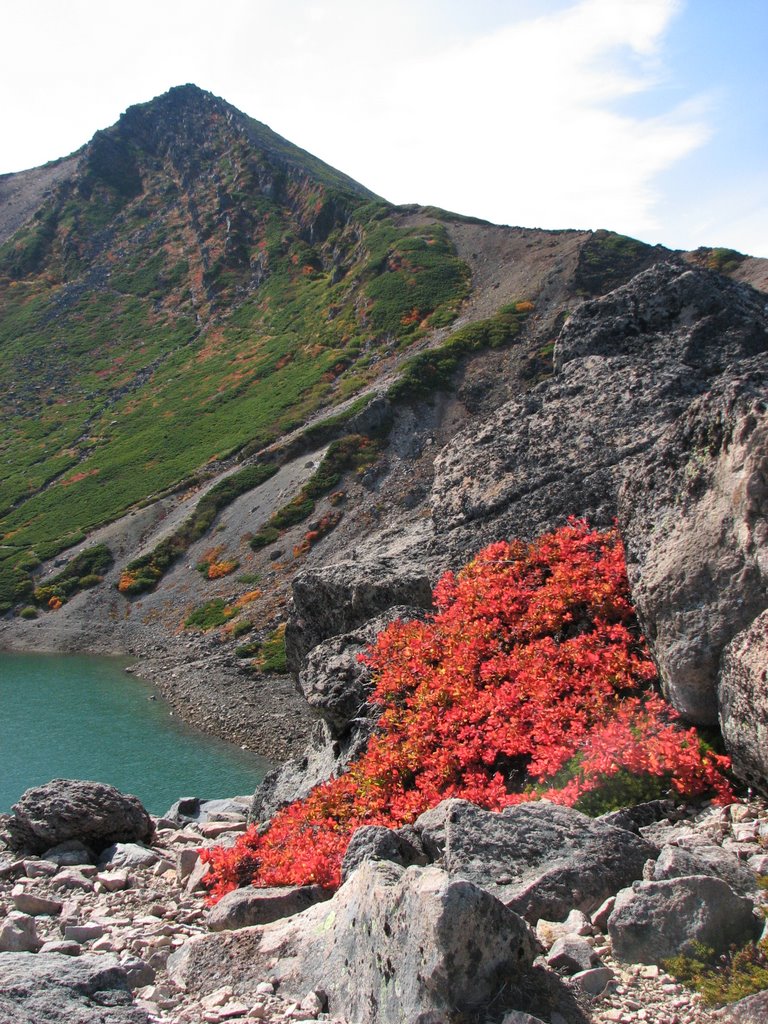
(434, 369)
(182, 298)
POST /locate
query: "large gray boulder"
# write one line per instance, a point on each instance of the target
(694, 516)
(92, 812)
(750, 1010)
(655, 920)
(339, 598)
(392, 945)
(48, 988)
(539, 859)
(742, 697)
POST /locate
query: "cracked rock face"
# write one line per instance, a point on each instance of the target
(694, 517)
(627, 365)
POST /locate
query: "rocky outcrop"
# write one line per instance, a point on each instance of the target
(657, 412)
(694, 515)
(627, 365)
(295, 778)
(336, 685)
(393, 944)
(655, 920)
(92, 812)
(539, 859)
(339, 598)
(52, 989)
(742, 697)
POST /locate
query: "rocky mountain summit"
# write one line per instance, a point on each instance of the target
(252, 413)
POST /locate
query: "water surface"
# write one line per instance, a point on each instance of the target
(71, 716)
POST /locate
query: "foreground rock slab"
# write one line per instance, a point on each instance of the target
(92, 812)
(392, 945)
(539, 859)
(48, 988)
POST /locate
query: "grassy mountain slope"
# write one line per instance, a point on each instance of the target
(195, 284)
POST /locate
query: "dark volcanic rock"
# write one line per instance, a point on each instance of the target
(92, 812)
(539, 859)
(48, 988)
(392, 945)
(340, 598)
(694, 516)
(293, 780)
(743, 699)
(636, 817)
(375, 842)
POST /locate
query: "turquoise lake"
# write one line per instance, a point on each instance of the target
(85, 718)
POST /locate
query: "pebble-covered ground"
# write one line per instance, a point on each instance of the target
(145, 907)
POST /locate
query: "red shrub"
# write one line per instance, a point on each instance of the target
(529, 680)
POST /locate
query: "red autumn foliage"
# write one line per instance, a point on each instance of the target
(530, 680)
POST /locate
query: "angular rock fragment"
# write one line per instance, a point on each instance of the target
(655, 920)
(249, 905)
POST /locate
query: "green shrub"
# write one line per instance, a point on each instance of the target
(91, 580)
(248, 578)
(353, 451)
(84, 571)
(433, 370)
(240, 629)
(273, 657)
(248, 650)
(143, 574)
(726, 979)
(30, 612)
(295, 511)
(266, 535)
(210, 615)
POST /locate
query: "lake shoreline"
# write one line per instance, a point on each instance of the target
(263, 713)
(81, 717)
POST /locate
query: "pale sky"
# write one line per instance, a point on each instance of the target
(648, 117)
